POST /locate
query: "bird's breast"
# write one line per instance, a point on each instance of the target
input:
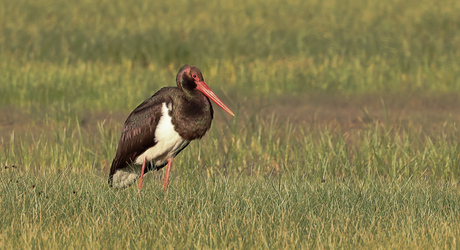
(192, 119)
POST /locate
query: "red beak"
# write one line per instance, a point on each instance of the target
(201, 86)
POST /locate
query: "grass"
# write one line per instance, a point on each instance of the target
(287, 211)
(362, 170)
(252, 188)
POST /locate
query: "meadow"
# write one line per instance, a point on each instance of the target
(345, 135)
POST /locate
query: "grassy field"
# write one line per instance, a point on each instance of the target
(345, 136)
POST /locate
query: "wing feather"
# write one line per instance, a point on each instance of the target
(138, 133)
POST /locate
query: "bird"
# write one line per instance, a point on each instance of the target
(163, 125)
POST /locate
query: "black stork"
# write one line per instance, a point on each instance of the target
(162, 126)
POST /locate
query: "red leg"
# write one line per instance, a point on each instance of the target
(168, 170)
(141, 181)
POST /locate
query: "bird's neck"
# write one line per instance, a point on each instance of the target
(194, 95)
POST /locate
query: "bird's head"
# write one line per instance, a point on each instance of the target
(190, 78)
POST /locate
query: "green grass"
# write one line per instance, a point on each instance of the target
(262, 187)
(271, 177)
(288, 211)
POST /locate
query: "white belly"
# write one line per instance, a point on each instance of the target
(168, 141)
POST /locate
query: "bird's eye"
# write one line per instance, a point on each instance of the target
(194, 76)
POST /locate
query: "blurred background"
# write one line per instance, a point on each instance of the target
(111, 54)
